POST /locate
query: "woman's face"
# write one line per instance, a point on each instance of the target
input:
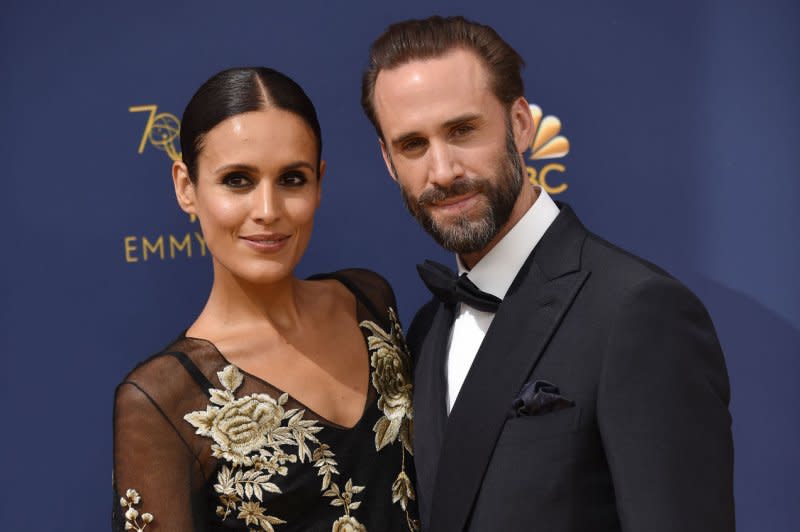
(255, 194)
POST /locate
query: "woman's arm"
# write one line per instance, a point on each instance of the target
(152, 466)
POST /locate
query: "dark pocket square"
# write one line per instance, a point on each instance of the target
(539, 397)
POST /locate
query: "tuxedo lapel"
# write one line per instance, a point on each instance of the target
(530, 313)
(430, 414)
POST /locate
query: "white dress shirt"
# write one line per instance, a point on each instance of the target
(494, 274)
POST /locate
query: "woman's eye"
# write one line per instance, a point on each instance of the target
(236, 181)
(293, 180)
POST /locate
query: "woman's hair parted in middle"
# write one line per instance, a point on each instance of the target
(240, 90)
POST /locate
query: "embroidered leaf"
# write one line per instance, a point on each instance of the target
(202, 420)
(283, 398)
(230, 377)
(358, 489)
(337, 502)
(386, 431)
(354, 505)
(270, 487)
(406, 435)
(220, 397)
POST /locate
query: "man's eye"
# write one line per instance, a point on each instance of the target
(462, 130)
(412, 145)
(236, 181)
(293, 180)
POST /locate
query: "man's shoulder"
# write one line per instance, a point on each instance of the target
(617, 264)
(421, 324)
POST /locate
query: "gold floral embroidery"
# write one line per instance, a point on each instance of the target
(392, 380)
(344, 498)
(132, 517)
(250, 433)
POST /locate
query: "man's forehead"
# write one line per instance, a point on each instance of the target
(453, 67)
(431, 90)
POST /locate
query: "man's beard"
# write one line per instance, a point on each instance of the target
(470, 234)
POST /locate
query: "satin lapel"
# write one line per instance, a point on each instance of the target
(430, 414)
(528, 317)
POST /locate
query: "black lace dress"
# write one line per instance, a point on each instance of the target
(200, 444)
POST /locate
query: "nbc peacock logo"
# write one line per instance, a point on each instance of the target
(547, 144)
(162, 132)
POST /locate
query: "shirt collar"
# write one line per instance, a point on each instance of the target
(495, 272)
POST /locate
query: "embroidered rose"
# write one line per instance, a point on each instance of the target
(348, 523)
(250, 433)
(238, 426)
(241, 426)
(391, 379)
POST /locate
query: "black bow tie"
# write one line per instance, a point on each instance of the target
(451, 289)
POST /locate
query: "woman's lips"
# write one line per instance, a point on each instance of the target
(266, 243)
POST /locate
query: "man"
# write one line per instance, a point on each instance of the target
(561, 384)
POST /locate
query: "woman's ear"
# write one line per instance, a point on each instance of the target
(184, 188)
(322, 167)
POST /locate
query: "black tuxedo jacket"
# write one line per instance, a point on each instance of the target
(647, 445)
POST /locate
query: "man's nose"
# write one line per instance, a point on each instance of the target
(444, 165)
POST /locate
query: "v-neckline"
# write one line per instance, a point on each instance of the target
(322, 419)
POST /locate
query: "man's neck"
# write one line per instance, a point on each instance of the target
(527, 197)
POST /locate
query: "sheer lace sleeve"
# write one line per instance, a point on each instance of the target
(152, 466)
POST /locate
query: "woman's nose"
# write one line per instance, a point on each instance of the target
(266, 203)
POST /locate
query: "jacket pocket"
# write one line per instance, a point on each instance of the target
(525, 429)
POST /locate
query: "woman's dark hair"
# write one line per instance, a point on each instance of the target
(235, 91)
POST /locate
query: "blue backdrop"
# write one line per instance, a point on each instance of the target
(684, 126)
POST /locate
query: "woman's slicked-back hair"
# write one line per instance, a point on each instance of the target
(240, 90)
(433, 37)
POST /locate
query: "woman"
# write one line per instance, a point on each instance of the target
(286, 404)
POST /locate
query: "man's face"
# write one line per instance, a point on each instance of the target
(452, 147)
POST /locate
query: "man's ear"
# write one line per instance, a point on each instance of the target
(184, 188)
(522, 124)
(387, 159)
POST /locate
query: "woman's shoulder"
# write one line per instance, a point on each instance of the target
(369, 287)
(172, 374)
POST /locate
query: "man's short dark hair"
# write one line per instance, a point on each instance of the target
(433, 37)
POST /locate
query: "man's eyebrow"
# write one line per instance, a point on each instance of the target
(461, 119)
(468, 117)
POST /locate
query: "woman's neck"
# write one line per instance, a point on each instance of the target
(234, 304)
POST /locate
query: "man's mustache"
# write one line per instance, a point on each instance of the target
(459, 187)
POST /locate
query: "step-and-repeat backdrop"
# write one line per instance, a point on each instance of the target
(683, 126)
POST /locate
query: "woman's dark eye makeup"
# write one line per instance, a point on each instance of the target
(293, 179)
(237, 180)
(240, 180)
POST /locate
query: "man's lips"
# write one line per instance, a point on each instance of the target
(266, 241)
(456, 203)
